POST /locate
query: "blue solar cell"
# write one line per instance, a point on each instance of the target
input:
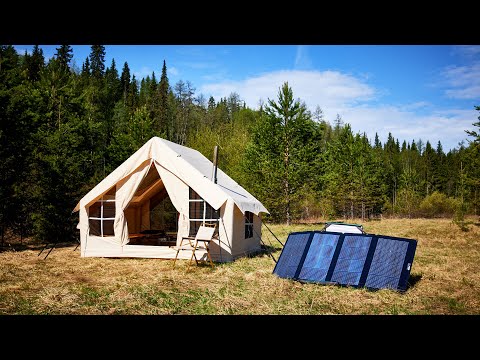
(291, 255)
(387, 264)
(319, 257)
(351, 260)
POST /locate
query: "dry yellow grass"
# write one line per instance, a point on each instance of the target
(445, 279)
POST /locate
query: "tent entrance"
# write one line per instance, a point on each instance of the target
(151, 216)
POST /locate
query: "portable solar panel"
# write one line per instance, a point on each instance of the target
(358, 260)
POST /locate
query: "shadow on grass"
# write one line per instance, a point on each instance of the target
(265, 250)
(413, 280)
(37, 246)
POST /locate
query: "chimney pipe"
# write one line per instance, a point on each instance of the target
(215, 163)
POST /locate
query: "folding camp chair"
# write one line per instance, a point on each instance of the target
(201, 241)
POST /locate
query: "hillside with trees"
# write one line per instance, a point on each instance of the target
(63, 129)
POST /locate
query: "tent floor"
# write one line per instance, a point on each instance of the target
(150, 239)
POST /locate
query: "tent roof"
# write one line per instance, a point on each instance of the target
(188, 165)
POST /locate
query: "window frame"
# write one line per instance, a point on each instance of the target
(203, 220)
(249, 224)
(101, 218)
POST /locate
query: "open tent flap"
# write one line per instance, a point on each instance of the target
(178, 191)
(126, 189)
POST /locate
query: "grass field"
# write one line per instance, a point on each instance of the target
(445, 279)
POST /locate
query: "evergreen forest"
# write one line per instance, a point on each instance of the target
(63, 129)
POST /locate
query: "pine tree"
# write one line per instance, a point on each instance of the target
(211, 103)
(97, 61)
(64, 55)
(318, 114)
(113, 84)
(284, 144)
(85, 74)
(61, 142)
(184, 92)
(133, 94)
(164, 103)
(337, 125)
(35, 64)
(474, 133)
(378, 144)
(111, 94)
(125, 82)
(13, 139)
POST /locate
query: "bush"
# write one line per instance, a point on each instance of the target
(407, 203)
(438, 204)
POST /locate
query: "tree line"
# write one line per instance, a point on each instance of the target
(63, 129)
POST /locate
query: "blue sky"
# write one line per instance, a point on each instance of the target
(415, 92)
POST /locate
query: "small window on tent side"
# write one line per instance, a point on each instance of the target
(248, 224)
(101, 215)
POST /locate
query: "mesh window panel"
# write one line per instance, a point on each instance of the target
(109, 209)
(387, 264)
(108, 228)
(193, 195)
(248, 225)
(94, 227)
(291, 255)
(94, 210)
(210, 212)
(196, 210)
(351, 260)
(194, 225)
(319, 257)
(248, 231)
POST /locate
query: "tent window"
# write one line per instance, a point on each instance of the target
(101, 216)
(200, 212)
(248, 224)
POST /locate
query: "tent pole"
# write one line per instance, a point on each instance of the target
(215, 163)
(215, 166)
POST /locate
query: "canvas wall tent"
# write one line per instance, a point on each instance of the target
(163, 192)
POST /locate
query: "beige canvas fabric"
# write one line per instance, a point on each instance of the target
(179, 168)
(188, 165)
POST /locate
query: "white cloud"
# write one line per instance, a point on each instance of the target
(468, 50)
(173, 71)
(416, 105)
(302, 59)
(144, 72)
(327, 89)
(447, 126)
(462, 82)
(352, 98)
